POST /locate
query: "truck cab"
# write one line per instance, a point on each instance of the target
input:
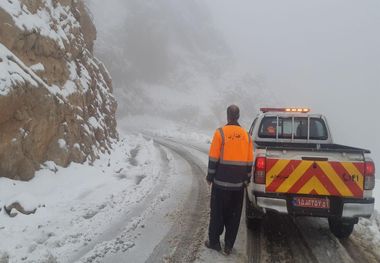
(301, 172)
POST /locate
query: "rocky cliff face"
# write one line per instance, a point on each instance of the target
(56, 98)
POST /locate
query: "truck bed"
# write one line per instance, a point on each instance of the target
(308, 147)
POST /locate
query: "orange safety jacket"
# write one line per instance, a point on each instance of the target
(230, 157)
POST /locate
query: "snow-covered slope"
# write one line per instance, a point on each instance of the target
(78, 204)
(55, 96)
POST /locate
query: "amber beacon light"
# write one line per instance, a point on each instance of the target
(293, 110)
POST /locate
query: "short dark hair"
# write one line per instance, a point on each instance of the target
(233, 113)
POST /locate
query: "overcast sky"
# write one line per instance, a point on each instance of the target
(324, 54)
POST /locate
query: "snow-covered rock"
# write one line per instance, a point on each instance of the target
(22, 203)
(52, 89)
(37, 67)
(15, 208)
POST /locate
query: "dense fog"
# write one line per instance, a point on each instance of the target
(187, 60)
(322, 54)
(168, 59)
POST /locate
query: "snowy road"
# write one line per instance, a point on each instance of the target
(187, 234)
(173, 230)
(279, 239)
(148, 202)
(284, 239)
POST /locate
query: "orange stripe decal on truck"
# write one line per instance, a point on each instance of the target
(315, 177)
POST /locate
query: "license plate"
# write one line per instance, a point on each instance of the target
(323, 203)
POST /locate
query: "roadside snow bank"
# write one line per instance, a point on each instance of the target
(79, 202)
(367, 233)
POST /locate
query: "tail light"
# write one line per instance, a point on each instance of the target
(369, 175)
(260, 167)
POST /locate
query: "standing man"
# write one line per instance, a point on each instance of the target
(230, 165)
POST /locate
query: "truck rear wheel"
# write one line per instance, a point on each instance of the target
(342, 228)
(253, 218)
(253, 223)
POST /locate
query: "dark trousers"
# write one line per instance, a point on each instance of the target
(226, 209)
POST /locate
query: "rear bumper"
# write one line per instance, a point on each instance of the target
(339, 207)
(358, 209)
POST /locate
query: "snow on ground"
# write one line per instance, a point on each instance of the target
(168, 129)
(76, 204)
(367, 232)
(159, 216)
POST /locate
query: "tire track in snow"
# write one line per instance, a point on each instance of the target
(186, 236)
(113, 240)
(277, 239)
(185, 207)
(281, 238)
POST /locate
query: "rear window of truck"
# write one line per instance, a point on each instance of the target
(293, 127)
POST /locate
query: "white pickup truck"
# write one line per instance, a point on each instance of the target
(300, 171)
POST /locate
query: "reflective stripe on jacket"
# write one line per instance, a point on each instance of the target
(230, 157)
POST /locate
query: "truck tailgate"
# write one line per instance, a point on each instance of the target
(315, 177)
